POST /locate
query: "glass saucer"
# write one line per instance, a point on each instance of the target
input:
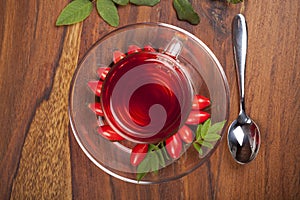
(161, 161)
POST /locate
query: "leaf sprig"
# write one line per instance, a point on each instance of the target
(78, 10)
(206, 134)
(157, 155)
(154, 160)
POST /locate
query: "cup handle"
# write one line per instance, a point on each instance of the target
(175, 46)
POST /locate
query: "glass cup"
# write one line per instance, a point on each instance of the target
(147, 96)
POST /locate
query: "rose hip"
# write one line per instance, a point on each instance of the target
(117, 56)
(174, 146)
(138, 154)
(102, 72)
(186, 134)
(200, 102)
(133, 49)
(96, 108)
(95, 86)
(107, 132)
(197, 117)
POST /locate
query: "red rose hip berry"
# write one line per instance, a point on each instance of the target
(200, 102)
(174, 146)
(186, 134)
(138, 154)
(107, 132)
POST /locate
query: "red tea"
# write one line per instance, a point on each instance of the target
(146, 97)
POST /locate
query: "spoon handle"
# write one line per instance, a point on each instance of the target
(239, 28)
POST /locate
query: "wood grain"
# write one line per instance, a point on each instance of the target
(44, 170)
(30, 50)
(39, 157)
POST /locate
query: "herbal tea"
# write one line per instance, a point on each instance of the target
(146, 97)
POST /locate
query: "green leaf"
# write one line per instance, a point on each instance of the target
(207, 133)
(144, 166)
(217, 127)
(121, 2)
(198, 132)
(145, 2)
(140, 176)
(207, 144)
(154, 161)
(197, 146)
(205, 128)
(161, 158)
(200, 152)
(166, 155)
(108, 11)
(185, 11)
(75, 12)
(150, 163)
(212, 137)
(151, 147)
(234, 1)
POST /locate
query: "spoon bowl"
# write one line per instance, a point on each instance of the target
(243, 134)
(243, 139)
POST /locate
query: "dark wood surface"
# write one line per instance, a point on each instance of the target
(39, 157)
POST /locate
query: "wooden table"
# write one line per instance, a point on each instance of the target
(39, 157)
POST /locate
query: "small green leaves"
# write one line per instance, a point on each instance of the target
(152, 162)
(212, 137)
(205, 127)
(157, 156)
(185, 11)
(145, 2)
(197, 146)
(207, 144)
(143, 168)
(206, 134)
(78, 10)
(74, 12)
(161, 158)
(216, 127)
(108, 11)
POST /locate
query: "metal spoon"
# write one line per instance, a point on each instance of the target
(243, 134)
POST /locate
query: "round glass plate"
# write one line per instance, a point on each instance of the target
(189, 143)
